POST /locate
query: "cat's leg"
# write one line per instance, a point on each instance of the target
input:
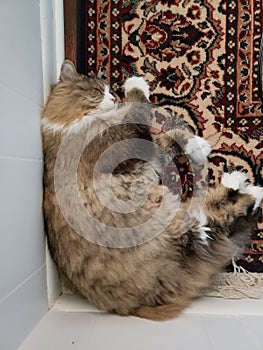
(238, 181)
(175, 141)
(233, 190)
(233, 206)
(136, 89)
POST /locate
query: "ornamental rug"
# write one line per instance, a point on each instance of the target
(201, 61)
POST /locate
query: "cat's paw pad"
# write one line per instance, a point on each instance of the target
(237, 180)
(256, 192)
(198, 149)
(137, 83)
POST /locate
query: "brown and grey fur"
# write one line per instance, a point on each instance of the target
(156, 279)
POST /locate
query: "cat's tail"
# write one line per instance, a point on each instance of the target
(161, 312)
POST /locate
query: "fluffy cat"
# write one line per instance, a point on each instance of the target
(153, 273)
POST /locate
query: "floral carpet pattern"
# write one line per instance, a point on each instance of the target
(200, 58)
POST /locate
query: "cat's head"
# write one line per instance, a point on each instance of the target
(91, 91)
(76, 96)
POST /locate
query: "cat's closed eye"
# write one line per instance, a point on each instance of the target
(82, 88)
(97, 91)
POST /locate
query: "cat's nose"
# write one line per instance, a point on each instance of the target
(112, 98)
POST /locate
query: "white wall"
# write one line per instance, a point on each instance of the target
(25, 34)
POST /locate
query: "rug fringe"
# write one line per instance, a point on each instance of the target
(238, 284)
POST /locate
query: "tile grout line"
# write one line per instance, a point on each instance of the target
(33, 160)
(250, 333)
(7, 88)
(22, 283)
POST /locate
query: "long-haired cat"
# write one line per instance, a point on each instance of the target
(148, 260)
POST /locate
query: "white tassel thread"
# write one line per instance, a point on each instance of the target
(238, 284)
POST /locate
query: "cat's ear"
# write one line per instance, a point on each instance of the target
(100, 73)
(68, 72)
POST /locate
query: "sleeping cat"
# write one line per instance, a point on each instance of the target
(100, 160)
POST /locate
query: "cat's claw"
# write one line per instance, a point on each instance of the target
(137, 83)
(198, 149)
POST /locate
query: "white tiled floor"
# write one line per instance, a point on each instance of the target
(209, 324)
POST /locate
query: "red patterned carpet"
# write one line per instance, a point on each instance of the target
(200, 58)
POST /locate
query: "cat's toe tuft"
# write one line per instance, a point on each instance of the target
(198, 149)
(237, 180)
(137, 83)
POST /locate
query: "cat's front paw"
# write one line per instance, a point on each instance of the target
(138, 83)
(198, 149)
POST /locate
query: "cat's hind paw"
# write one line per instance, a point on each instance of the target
(256, 192)
(237, 180)
(198, 149)
(138, 83)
